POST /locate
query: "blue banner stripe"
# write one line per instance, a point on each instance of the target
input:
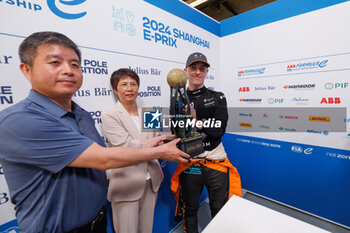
(11, 226)
(310, 178)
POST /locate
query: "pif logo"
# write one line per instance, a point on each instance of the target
(330, 86)
(275, 101)
(53, 7)
(152, 119)
(331, 100)
(243, 89)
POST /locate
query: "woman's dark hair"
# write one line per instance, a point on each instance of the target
(123, 73)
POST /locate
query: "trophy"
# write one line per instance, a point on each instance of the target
(182, 123)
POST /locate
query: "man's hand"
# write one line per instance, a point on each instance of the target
(170, 152)
(156, 141)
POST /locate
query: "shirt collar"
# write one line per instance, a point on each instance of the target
(197, 92)
(49, 105)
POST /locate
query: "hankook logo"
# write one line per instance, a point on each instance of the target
(300, 86)
(250, 100)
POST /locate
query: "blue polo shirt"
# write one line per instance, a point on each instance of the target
(38, 139)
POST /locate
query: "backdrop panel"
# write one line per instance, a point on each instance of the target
(111, 34)
(300, 61)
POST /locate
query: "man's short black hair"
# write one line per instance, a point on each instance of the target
(28, 48)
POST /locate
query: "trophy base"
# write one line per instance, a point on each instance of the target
(192, 145)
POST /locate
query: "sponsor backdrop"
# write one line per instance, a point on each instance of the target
(286, 54)
(300, 62)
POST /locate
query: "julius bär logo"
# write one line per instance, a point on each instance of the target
(266, 88)
(5, 60)
(53, 6)
(300, 101)
(152, 119)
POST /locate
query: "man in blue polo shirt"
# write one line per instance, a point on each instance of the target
(52, 156)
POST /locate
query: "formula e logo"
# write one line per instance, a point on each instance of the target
(151, 119)
(53, 7)
(308, 151)
(253, 71)
(299, 149)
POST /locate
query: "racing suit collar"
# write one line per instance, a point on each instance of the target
(197, 92)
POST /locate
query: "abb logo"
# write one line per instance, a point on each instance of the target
(330, 100)
(243, 89)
